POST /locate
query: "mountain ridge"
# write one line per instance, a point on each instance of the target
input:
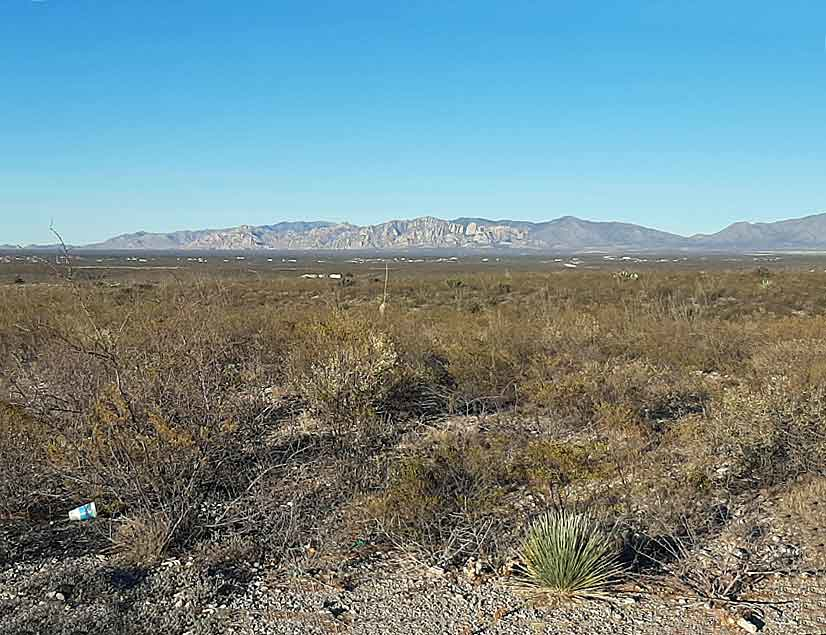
(566, 233)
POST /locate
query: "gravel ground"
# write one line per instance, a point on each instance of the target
(73, 594)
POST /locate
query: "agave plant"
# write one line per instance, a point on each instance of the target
(569, 556)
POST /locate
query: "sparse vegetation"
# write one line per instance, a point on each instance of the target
(201, 411)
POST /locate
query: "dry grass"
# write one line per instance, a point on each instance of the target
(803, 513)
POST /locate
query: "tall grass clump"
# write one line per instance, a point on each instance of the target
(568, 556)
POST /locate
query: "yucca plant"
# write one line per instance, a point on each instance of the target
(567, 555)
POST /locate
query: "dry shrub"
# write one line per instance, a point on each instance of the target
(143, 464)
(461, 489)
(147, 397)
(143, 540)
(567, 392)
(344, 371)
(761, 436)
(705, 345)
(353, 376)
(27, 486)
(486, 356)
(662, 492)
(619, 422)
(231, 558)
(626, 393)
(803, 361)
(153, 419)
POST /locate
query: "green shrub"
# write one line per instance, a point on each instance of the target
(486, 355)
(464, 482)
(616, 390)
(549, 463)
(444, 499)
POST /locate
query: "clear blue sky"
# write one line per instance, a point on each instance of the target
(117, 116)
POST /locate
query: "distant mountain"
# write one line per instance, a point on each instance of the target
(562, 234)
(569, 232)
(799, 233)
(424, 232)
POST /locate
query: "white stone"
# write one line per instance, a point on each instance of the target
(747, 625)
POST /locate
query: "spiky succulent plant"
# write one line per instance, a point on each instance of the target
(569, 556)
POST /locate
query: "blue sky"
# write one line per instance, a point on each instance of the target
(156, 115)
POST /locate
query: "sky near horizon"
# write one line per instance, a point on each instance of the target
(155, 115)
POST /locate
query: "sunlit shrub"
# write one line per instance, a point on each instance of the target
(345, 373)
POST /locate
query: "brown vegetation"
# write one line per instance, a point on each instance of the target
(199, 410)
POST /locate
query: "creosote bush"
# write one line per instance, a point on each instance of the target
(451, 493)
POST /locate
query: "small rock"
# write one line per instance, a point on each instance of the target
(748, 625)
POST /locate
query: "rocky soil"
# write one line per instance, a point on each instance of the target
(74, 587)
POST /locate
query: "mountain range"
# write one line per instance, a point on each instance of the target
(562, 234)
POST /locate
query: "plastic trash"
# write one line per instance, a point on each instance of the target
(84, 512)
